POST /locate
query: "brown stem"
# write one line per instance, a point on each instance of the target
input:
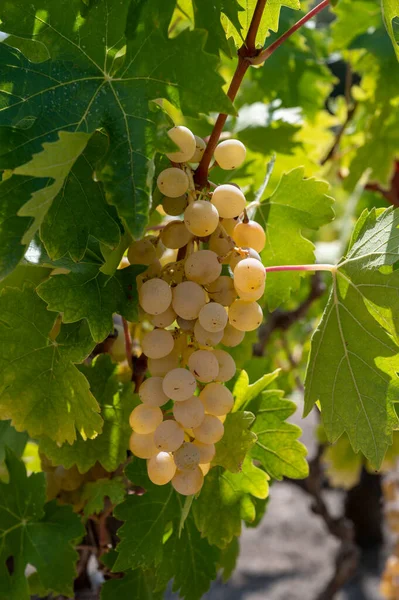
(250, 41)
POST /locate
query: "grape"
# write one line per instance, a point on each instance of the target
(185, 140)
(242, 254)
(157, 343)
(151, 392)
(222, 418)
(187, 457)
(228, 225)
(153, 271)
(210, 431)
(164, 319)
(186, 354)
(222, 290)
(118, 348)
(206, 338)
(245, 316)
(122, 265)
(251, 296)
(179, 384)
(249, 275)
(175, 235)
(188, 483)
(250, 234)
(227, 366)
(174, 206)
(173, 273)
(68, 479)
(200, 146)
(207, 451)
(213, 317)
(155, 296)
(230, 154)
(173, 182)
(220, 244)
(229, 201)
(185, 325)
(161, 468)
(232, 337)
(145, 419)
(168, 436)
(201, 218)
(203, 365)
(142, 445)
(205, 468)
(189, 413)
(158, 367)
(142, 252)
(217, 399)
(202, 267)
(188, 299)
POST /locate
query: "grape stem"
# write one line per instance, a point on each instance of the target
(320, 267)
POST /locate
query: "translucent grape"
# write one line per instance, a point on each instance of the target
(155, 296)
(227, 366)
(229, 201)
(185, 140)
(200, 146)
(187, 457)
(174, 206)
(253, 295)
(151, 392)
(168, 436)
(242, 254)
(228, 225)
(145, 419)
(188, 299)
(186, 354)
(179, 384)
(153, 271)
(232, 337)
(217, 399)
(118, 348)
(203, 267)
(205, 468)
(142, 252)
(207, 338)
(175, 235)
(185, 325)
(249, 275)
(189, 413)
(161, 468)
(210, 431)
(250, 234)
(230, 154)
(245, 316)
(213, 317)
(173, 182)
(207, 451)
(203, 365)
(201, 218)
(220, 244)
(222, 290)
(68, 479)
(142, 445)
(157, 343)
(164, 319)
(158, 367)
(188, 483)
(173, 273)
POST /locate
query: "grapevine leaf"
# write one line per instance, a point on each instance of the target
(244, 392)
(10, 438)
(354, 361)
(277, 447)
(94, 493)
(136, 584)
(116, 402)
(35, 533)
(228, 559)
(236, 441)
(390, 10)
(41, 390)
(350, 24)
(87, 293)
(207, 15)
(297, 203)
(278, 137)
(218, 510)
(25, 273)
(85, 86)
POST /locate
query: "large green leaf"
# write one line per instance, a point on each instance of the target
(41, 390)
(86, 86)
(354, 360)
(207, 15)
(236, 441)
(116, 402)
(94, 493)
(35, 533)
(296, 204)
(390, 10)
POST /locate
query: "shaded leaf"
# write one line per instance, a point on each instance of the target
(94, 493)
(236, 441)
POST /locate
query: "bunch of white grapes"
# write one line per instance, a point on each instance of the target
(191, 308)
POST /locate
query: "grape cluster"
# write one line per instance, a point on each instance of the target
(192, 308)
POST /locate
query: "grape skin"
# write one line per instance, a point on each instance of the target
(244, 253)
(145, 418)
(213, 317)
(142, 445)
(210, 431)
(142, 252)
(155, 296)
(229, 201)
(232, 337)
(159, 367)
(249, 274)
(164, 319)
(179, 384)
(161, 468)
(220, 244)
(173, 182)
(203, 365)
(222, 290)
(187, 457)
(151, 392)
(250, 234)
(157, 343)
(207, 451)
(189, 413)
(245, 316)
(201, 218)
(203, 267)
(188, 483)
(175, 235)
(200, 146)
(174, 206)
(230, 154)
(253, 295)
(168, 436)
(227, 366)
(188, 299)
(185, 140)
(217, 399)
(207, 338)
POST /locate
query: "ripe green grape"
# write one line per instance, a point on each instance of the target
(217, 399)
(207, 338)
(185, 140)
(232, 337)
(229, 201)
(151, 392)
(161, 468)
(203, 365)
(173, 182)
(145, 418)
(249, 275)
(245, 316)
(179, 384)
(230, 154)
(222, 290)
(210, 431)
(155, 296)
(142, 445)
(213, 317)
(187, 457)
(189, 413)
(250, 235)
(188, 483)
(175, 235)
(174, 206)
(164, 319)
(220, 244)
(142, 252)
(168, 436)
(203, 267)
(253, 295)
(207, 452)
(241, 254)
(227, 366)
(228, 225)
(157, 343)
(188, 299)
(159, 367)
(185, 325)
(200, 146)
(201, 218)
(205, 468)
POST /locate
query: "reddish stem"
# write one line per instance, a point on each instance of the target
(320, 267)
(128, 342)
